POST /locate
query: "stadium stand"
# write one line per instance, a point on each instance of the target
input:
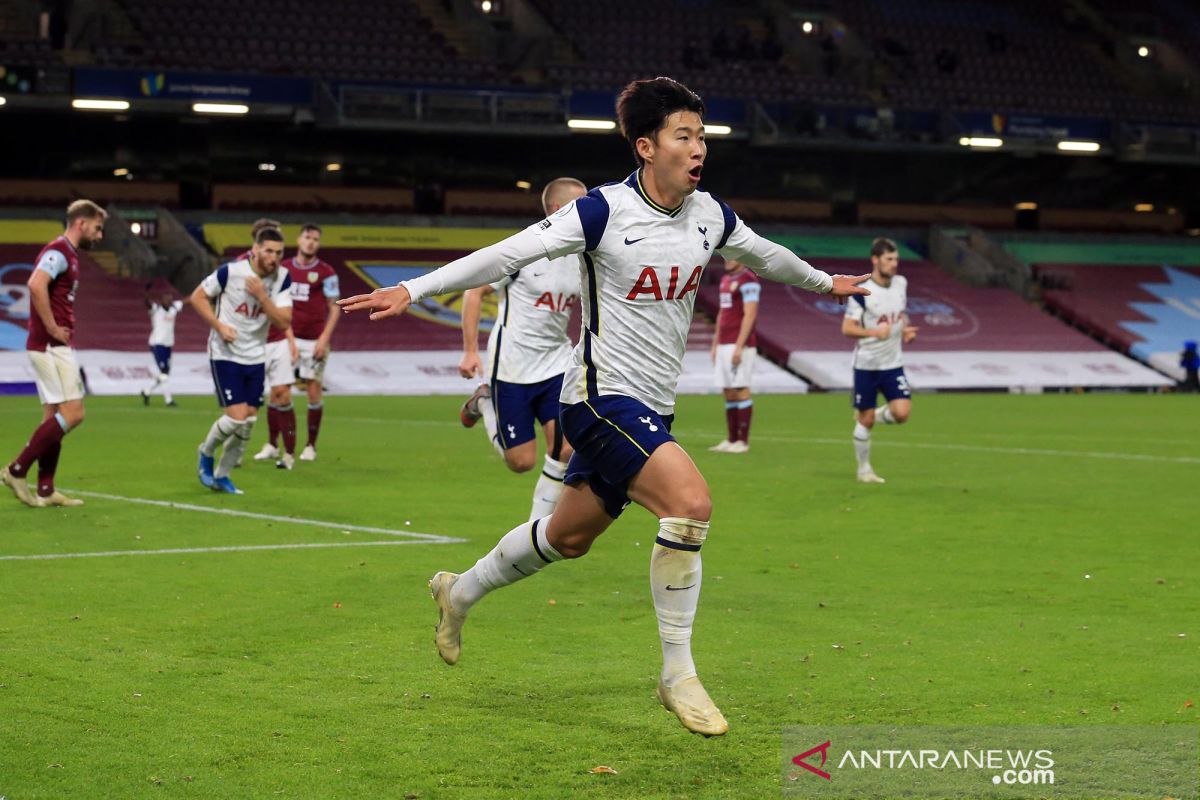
(969, 337)
(1117, 294)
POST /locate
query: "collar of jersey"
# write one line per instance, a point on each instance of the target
(635, 182)
(74, 249)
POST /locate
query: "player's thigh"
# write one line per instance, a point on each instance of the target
(578, 519)
(238, 411)
(670, 485)
(515, 414)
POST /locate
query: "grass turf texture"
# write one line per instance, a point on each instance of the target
(956, 594)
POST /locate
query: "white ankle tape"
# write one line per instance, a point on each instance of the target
(680, 533)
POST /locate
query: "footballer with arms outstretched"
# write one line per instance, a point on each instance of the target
(644, 242)
(528, 352)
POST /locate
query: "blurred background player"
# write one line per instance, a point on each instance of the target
(52, 290)
(163, 309)
(734, 350)
(618, 399)
(250, 295)
(528, 351)
(879, 322)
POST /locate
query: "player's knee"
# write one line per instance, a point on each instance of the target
(518, 462)
(574, 545)
(694, 505)
(564, 453)
(901, 417)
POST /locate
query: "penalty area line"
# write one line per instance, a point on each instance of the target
(229, 549)
(430, 538)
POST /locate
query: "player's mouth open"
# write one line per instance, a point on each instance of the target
(694, 172)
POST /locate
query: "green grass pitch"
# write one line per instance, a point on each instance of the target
(1031, 560)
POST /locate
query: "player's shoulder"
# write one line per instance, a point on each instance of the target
(748, 276)
(900, 282)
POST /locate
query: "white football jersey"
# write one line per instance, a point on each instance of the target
(639, 273)
(529, 342)
(888, 303)
(162, 323)
(237, 307)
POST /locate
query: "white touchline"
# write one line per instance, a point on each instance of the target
(230, 549)
(432, 538)
(974, 448)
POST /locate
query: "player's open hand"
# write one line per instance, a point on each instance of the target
(382, 303)
(884, 331)
(910, 333)
(228, 332)
(470, 366)
(846, 285)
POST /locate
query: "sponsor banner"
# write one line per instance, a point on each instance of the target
(1085, 762)
(222, 236)
(135, 84)
(1028, 126)
(29, 231)
(989, 370)
(429, 372)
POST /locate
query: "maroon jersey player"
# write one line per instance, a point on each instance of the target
(52, 290)
(314, 294)
(734, 350)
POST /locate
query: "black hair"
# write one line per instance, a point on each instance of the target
(310, 226)
(268, 235)
(643, 107)
(882, 246)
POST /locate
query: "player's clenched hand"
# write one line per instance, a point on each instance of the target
(382, 303)
(228, 332)
(470, 366)
(884, 331)
(910, 333)
(846, 285)
(254, 287)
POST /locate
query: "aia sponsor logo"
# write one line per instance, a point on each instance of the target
(650, 284)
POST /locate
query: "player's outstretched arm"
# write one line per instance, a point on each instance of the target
(469, 272)
(780, 264)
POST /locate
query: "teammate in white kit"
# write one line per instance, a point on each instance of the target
(162, 339)
(528, 351)
(250, 295)
(880, 324)
(644, 243)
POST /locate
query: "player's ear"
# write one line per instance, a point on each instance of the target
(645, 147)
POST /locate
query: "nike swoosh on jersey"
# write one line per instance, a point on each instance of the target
(671, 588)
(634, 241)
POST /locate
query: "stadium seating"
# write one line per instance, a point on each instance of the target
(1145, 310)
(969, 337)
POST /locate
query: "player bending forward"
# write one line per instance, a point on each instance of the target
(528, 351)
(644, 242)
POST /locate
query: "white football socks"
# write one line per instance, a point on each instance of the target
(235, 446)
(548, 489)
(675, 575)
(521, 552)
(862, 446)
(884, 415)
(221, 430)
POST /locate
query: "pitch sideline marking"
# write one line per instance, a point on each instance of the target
(409, 537)
(229, 549)
(432, 538)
